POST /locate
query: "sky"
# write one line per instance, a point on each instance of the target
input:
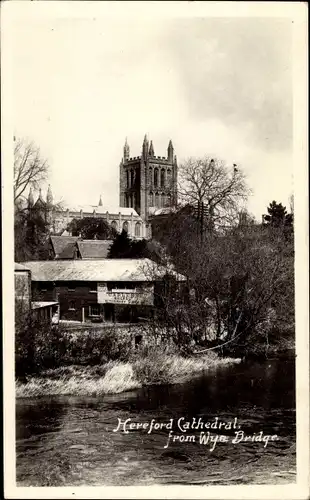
(220, 86)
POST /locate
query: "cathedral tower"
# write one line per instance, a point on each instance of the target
(148, 182)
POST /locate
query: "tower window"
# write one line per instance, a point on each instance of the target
(132, 178)
(156, 177)
(151, 200)
(156, 200)
(150, 176)
(162, 177)
(169, 177)
(125, 226)
(127, 178)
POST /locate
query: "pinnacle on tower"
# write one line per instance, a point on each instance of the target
(30, 198)
(40, 195)
(151, 150)
(126, 150)
(145, 147)
(49, 195)
(100, 202)
(170, 151)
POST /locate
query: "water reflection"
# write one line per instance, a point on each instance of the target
(74, 435)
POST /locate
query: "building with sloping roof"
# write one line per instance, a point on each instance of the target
(24, 305)
(99, 290)
(62, 247)
(93, 249)
(73, 247)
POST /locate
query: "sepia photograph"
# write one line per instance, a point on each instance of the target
(154, 248)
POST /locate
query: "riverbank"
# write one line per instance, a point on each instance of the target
(115, 377)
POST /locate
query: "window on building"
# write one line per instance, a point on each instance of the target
(156, 200)
(132, 178)
(93, 287)
(122, 285)
(125, 226)
(138, 229)
(156, 177)
(127, 178)
(150, 199)
(94, 310)
(71, 305)
(169, 177)
(162, 177)
(114, 224)
(150, 177)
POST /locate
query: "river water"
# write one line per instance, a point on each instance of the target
(64, 441)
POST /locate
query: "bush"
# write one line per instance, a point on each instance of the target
(39, 346)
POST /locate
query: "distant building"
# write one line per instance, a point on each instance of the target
(147, 186)
(117, 217)
(111, 290)
(62, 247)
(73, 247)
(24, 305)
(148, 182)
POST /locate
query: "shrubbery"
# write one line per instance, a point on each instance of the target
(39, 346)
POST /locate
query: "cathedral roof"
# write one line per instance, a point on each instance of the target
(111, 209)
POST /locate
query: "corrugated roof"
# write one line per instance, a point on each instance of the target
(61, 242)
(94, 249)
(98, 270)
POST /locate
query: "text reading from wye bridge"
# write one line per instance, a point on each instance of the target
(197, 430)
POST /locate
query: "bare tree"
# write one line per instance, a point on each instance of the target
(29, 167)
(209, 182)
(240, 284)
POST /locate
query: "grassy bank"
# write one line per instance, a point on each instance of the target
(114, 377)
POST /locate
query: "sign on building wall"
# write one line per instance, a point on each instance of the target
(140, 296)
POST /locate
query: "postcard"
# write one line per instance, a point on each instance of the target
(155, 244)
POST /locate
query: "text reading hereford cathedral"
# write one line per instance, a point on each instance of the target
(147, 187)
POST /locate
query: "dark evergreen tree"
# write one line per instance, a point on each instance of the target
(277, 216)
(125, 248)
(121, 247)
(90, 228)
(31, 232)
